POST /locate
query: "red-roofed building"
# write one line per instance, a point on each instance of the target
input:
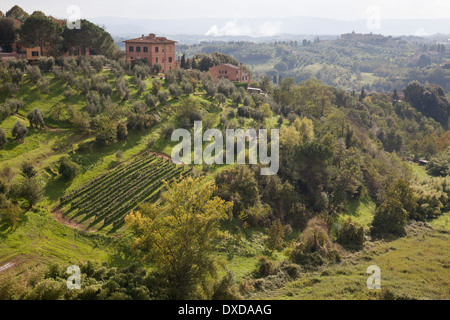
(155, 49)
(230, 72)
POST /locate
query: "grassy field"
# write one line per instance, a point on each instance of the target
(413, 267)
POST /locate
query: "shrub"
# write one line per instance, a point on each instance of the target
(3, 138)
(350, 234)
(226, 288)
(390, 218)
(275, 240)
(151, 101)
(68, 169)
(19, 131)
(34, 74)
(163, 96)
(46, 64)
(16, 75)
(439, 165)
(105, 89)
(175, 91)
(122, 131)
(314, 246)
(36, 118)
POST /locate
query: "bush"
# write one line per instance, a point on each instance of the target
(163, 97)
(34, 74)
(105, 89)
(314, 247)
(390, 218)
(350, 234)
(36, 118)
(439, 165)
(175, 91)
(19, 131)
(16, 75)
(226, 288)
(3, 138)
(46, 64)
(68, 169)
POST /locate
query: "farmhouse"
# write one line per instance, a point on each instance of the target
(230, 72)
(157, 50)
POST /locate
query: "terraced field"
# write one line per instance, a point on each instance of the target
(107, 199)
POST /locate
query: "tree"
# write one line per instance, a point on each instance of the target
(122, 131)
(390, 218)
(183, 62)
(157, 68)
(19, 131)
(429, 99)
(29, 189)
(40, 31)
(28, 170)
(89, 36)
(68, 169)
(395, 96)
(106, 131)
(275, 238)
(10, 212)
(363, 94)
(266, 84)
(180, 235)
(36, 118)
(17, 13)
(3, 138)
(221, 98)
(7, 34)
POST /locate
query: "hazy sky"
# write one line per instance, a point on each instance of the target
(176, 9)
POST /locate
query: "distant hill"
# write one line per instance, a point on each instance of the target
(268, 26)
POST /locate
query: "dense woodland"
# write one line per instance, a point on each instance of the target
(377, 65)
(84, 159)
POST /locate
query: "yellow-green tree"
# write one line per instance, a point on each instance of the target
(180, 235)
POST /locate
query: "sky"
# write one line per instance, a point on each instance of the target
(237, 9)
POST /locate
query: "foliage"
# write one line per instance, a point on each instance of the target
(179, 235)
(314, 246)
(350, 234)
(68, 169)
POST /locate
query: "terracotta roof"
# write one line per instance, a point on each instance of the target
(151, 38)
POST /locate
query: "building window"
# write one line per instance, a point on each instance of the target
(170, 59)
(145, 49)
(131, 49)
(156, 49)
(138, 49)
(156, 60)
(35, 53)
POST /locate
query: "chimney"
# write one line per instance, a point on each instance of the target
(151, 35)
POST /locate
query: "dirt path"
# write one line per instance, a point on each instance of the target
(58, 215)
